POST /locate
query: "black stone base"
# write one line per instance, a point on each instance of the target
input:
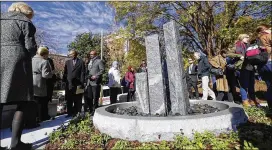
(195, 109)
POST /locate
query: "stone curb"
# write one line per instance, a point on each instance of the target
(145, 129)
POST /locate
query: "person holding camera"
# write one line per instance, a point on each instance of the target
(219, 62)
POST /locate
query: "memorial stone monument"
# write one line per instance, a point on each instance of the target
(142, 92)
(162, 99)
(177, 82)
(155, 96)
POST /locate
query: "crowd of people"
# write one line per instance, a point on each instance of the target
(27, 74)
(234, 69)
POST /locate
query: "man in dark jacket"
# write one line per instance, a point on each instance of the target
(142, 67)
(94, 79)
(74, 78)
(191, 78)
(86, 62)
(204, 73)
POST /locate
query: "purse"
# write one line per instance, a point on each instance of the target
(217, 71)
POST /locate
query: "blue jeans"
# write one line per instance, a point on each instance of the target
(213, 78)
(247, 82)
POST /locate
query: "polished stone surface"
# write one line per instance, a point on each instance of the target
(141, 93)
(155, 79)
(176, 75)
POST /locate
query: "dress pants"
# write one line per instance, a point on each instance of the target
(74, 102)
(130, 96)
(191, 84)
(206, 89)
(92, 97)
(50, 89)
(114, 91)
(42, 107)
(221, 95)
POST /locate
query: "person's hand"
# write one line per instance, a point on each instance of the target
(242, 57)
(82, 86)
(93, 77)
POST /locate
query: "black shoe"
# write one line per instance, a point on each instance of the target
(22, 146)
(32, 126)
(3, 148)
(269, 114)
(46, 118)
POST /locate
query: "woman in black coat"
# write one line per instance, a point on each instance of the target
(18, 46)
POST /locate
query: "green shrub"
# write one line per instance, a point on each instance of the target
(121, 144)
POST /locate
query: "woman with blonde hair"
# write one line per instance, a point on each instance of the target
(41, 72)
(18, 46)
(246, 78)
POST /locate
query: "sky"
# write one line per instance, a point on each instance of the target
(62, 21)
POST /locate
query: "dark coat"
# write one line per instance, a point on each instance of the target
(53, 79)
(221, 81)
(130, 77)
(74, 76)
(41, 72)
(18, 46)
(97, 69)
(203, 67)
(241, 49)
(193, 76)
(142, 69)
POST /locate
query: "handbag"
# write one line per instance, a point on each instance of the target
(256, 56)
(217, 71)
(253, 51)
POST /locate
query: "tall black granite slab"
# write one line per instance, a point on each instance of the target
(176, 75)
(155, 78)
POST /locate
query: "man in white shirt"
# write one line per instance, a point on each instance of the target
(114, 82)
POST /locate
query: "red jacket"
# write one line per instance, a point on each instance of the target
(130, 77)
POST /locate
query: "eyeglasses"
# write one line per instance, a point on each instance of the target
(44, 46)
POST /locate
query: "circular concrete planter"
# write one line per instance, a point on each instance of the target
(146, 129)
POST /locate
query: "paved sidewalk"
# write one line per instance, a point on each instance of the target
(37, 136)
